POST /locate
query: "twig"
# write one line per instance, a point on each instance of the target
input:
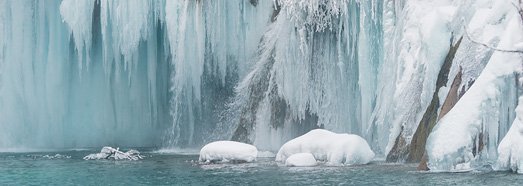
(519, 9)
(488, 46)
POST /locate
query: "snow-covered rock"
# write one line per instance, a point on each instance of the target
(301, 160)
(112, 153)
(225, 151)
(328, 146)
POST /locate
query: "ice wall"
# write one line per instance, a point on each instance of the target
(122, 73)
(510, 148)
(57, 88)
(212, 44)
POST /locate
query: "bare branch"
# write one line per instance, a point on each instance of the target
(488, 46)
(519, 9)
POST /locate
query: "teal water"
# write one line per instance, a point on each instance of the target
(35, 168)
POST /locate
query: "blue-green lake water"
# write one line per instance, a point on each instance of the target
(44, 168)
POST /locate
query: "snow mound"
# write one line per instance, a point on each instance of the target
(116, 154)
(225, 151)
(301, 160)
(328, 146)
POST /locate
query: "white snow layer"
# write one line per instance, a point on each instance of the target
(328, 146)
(451, 144)
(226, 151)
(301, 160)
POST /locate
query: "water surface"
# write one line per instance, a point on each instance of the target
(161, 168)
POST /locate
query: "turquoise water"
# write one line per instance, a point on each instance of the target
(35, 168)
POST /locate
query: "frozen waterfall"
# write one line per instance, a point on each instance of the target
(182, 73)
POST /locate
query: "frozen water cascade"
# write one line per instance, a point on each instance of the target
(180, 74)
(79, 73)
(310, 79)
(47, 100)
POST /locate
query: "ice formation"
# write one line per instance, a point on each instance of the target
(301, 160)
(228, 151)
(90, 73)
(116, 154)
(510, 149)
(333, 148)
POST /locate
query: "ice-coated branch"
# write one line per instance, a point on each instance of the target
(520, 9)
(520, 12)
(488, 46)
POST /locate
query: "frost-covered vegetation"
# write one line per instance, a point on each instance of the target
(115, 154)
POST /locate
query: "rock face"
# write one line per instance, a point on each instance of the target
(431, 118)
(254, 2)
(450, 101)
(276, 11)
(401, 151)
